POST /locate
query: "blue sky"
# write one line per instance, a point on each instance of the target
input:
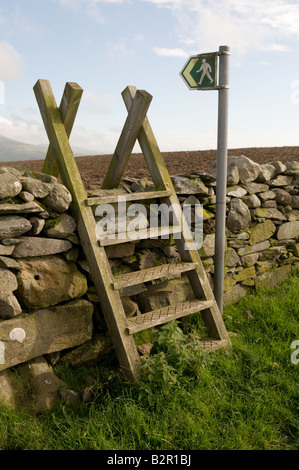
(105, 45)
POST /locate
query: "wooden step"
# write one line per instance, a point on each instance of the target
(165, 314)
(128, 197)
(157, 272)
(146, 233)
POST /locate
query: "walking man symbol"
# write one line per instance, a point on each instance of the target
(205, 69)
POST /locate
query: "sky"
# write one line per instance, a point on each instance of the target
(106, 45)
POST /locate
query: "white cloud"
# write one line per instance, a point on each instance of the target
(10, 62)
(90, 7)
(19, 129)
(164, 52)
(94, 103)
(242, 24)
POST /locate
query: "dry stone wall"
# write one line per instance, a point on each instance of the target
(49, 307)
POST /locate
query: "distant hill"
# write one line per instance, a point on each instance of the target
(15, 151)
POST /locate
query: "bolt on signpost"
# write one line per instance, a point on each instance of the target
(200, 73)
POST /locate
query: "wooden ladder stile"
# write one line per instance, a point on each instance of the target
(58, 123)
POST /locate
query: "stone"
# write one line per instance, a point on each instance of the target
(268, 213)
(281, 180)
(264, 266)
(239, 215)
(9, 263)
(9, 305)
(282, 197)
(90, 352)
(294, 248)
(22, 208)
(45, 331)
(295, 202)
(59, 199)
(279, 167)
(119, 251)
(37, 225)
(245, 273)
(185, 185)
(41, 176)
(236, 191)
(249, 260)
(72, 397)
(25, 196)
(233, 176)
(231, 258)
(267, 195)
(248, 170)
(31, 387)
(38, 246)
(8, 281)
(37, 188)
(233, 295)
(271, 279)
(254, 248)
(292, 168)
(273, 253)
(267, 172)
(269, 204)
(60, 227)
(208, 247)
(6, 250)
(49, 280)
(13, 226)
(253, 188)
(10, 186)
(288, 230)
(261, 232)
(252, 201)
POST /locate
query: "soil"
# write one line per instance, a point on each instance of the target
(94, 168)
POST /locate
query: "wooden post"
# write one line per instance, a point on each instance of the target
(100, 270)
(127, 139)
(68, 109)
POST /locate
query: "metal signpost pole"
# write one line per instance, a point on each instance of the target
(221, 178)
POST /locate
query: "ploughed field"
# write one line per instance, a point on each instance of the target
(93, 168)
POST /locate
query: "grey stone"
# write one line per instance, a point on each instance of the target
(25, 196)
(231, 258)
(185, 185)
(279, 167)
(37, 188)
(249, 260)
(253, 188)
(288, 230)
(236, 191)
(271, 279)
(13, 226)
(267, 195)
(9, 305)
(281, 180)
(38, 246)
(261, 232)
(49, 280)
(252, 201)
(248, 169)
(6, 250)
(59, 199)
(292, 168)
(61, 226)
(23, 208)
(8, 281)
(10, 186)
(234, 294)
(295, 202)
(239, 215)
(282, 197)
(246, 250)
(73, 397)
(267, 172)
(233, 176)
(45, 331)
(268, 213)
(9, 263)
(208, 246)
(37, 225)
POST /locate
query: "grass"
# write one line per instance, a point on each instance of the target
(244, 400)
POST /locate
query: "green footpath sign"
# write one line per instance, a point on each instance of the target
(200, 71)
